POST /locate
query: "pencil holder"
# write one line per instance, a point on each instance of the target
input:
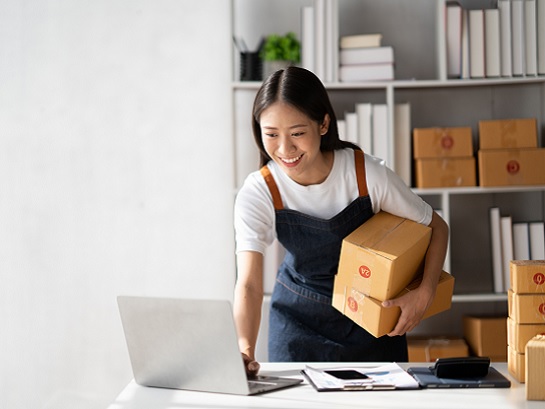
(251, 67)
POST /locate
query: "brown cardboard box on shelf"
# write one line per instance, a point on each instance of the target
(516, 364)
(508, 133)
(442, 142)
(535, 368)
(507, 167)
(446, 172)
(430, 349)
(527, 276)
(526, 308)
(518, 335)
(486, 336)
(383, 255)
(369, 313)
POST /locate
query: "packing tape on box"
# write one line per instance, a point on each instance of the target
(434, 343)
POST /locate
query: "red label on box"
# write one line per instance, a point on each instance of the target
(539, 278)
(513, 167)
(542, 309)
(365, 271)
(447, 142)
(352, 304)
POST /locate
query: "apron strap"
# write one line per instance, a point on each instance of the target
(360, 172)
(273, 188)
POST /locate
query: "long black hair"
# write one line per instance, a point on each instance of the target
(304, 91)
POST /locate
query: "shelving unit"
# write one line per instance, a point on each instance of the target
(416, 31)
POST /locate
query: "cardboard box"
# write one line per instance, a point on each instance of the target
(383, 255)
(446, 172)
(369, 313)
(518, 335)
(516, 364)
(526, 308)
(430, 349)
(535, 368)
(508, 133)
(527, 276)
(442, 142)
(507, 167)
(486, 336)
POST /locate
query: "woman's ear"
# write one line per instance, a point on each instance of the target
(324, 127)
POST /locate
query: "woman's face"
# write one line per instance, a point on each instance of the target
(292, 140)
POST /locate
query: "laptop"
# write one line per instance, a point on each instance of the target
(188, 344)
(427, 379)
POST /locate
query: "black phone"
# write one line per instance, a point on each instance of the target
(346, 374)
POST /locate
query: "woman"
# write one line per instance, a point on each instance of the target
(312, 191)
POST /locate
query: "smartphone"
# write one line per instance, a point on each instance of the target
(346, 374)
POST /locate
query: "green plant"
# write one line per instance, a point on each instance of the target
(277, 47)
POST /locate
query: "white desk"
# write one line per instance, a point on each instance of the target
(305, 397)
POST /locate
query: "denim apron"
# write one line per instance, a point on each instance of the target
(303, 325)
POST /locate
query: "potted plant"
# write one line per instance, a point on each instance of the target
(279, 52)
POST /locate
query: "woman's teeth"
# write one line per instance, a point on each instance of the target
(293, 160)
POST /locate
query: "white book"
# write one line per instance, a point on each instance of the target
(537, 240)
(517, 37)
(465, 44)
(497, 257)
(364, 111)
(521, 241)
(380, 131)
(506, 248)
(351, 119)
(540, 12)
(530, 37)
(369, 72)
(361, 40)
(368, 55)
(330, 40)
(454, 40)
(504, 7)
(341, 127)
(402, 141)
(492, 42)
(476, 44)
(334, 43)
(307, 38)
(319, 38)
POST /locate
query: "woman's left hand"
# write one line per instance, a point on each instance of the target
(413, 305)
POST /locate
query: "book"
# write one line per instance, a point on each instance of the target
(351, 119)
(465, 45)
(366, 72)
(380, 131)
(497, 258)
(307, 38)
(506, 224)
(361, 41)
(521, 241)
(517, 39)
(476, 44)
(504, 7)
(454, 39)
(540, 26)
(530, 37)
(319, 38)
(364, 111)
(537, 240)
(369, 55)
(492, 42)
(402, 142)
(341, 127)
(331, 40)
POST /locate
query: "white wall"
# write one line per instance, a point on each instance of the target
(115, 177)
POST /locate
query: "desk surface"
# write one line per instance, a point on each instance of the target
(304, 396)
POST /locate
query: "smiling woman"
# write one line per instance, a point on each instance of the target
(312, 191)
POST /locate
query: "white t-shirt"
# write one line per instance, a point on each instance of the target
(254, 210)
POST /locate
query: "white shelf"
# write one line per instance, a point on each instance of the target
(485, 297)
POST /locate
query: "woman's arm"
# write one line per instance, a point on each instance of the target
(247, 305)
(415, 303)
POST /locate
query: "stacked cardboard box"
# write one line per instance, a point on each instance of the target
(444, 157)
(509, 154)
(381, 260)
(430, 349)
(526, 300)
(535, 369)
(486, 336)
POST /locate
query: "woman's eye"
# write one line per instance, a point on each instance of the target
(270, 135)
(297, 134)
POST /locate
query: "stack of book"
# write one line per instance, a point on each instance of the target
(507, 41)
(363, 58)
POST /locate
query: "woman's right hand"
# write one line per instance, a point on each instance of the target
(251, 366)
